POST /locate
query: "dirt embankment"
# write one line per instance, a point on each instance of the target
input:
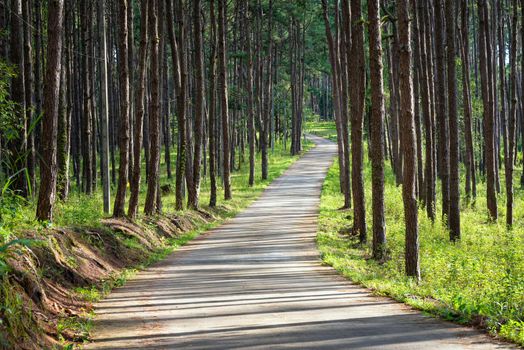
(41, 301)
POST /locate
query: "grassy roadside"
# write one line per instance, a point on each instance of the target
(243, 196)
(79, 222)
(477, 281)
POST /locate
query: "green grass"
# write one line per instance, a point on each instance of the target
(323, 129)
(479, 280)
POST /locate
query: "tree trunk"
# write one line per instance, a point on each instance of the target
(443, 134)
(212, 108)
(131, 62)
(511, 133)
(487, 99)
(199, 103)
(64, 125)
(223, 83)
(154, 118)
(120, 198)
(454, 166)
(251, 111)
(104, 110)
(344, 33)
(48, 163)
(471, 181)
(377, 130)
(87, 137)
(357, 75)
(408, 142)
(180, 77)
(139, 110)
(424, 86)
(266, 111)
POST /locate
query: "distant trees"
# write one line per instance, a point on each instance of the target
(207, 83)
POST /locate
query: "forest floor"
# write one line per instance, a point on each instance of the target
(257, 282)
(58, 271)
(478, 281)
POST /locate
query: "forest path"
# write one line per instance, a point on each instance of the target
(257, 282)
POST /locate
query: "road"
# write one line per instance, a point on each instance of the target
(257, 282)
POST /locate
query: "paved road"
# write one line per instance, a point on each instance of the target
(257, 283)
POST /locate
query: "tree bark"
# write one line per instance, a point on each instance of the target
(251, 110)
(151, 206)
(223, 83)
(212, 108)
(139, 110)
(442, 120)
(87, 137)
(104, 110)
(48, 163)
(377, 130)
(357, 74)
(471, 181)
(120, 198)
(408, 142)
(64, 122)
(454, 166)
(511, 133)
(193, 200)
(425, 87)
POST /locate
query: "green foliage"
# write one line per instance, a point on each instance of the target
(91, 294)
(323, 129)
(14, 314)
(11, 211)
(479, 279)
(80, 326)
(6, 106)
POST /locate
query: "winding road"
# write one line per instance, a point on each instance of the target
(257, 282)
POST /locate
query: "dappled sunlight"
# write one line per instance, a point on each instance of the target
(256, 282)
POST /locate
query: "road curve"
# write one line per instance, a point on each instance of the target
(257, 282)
